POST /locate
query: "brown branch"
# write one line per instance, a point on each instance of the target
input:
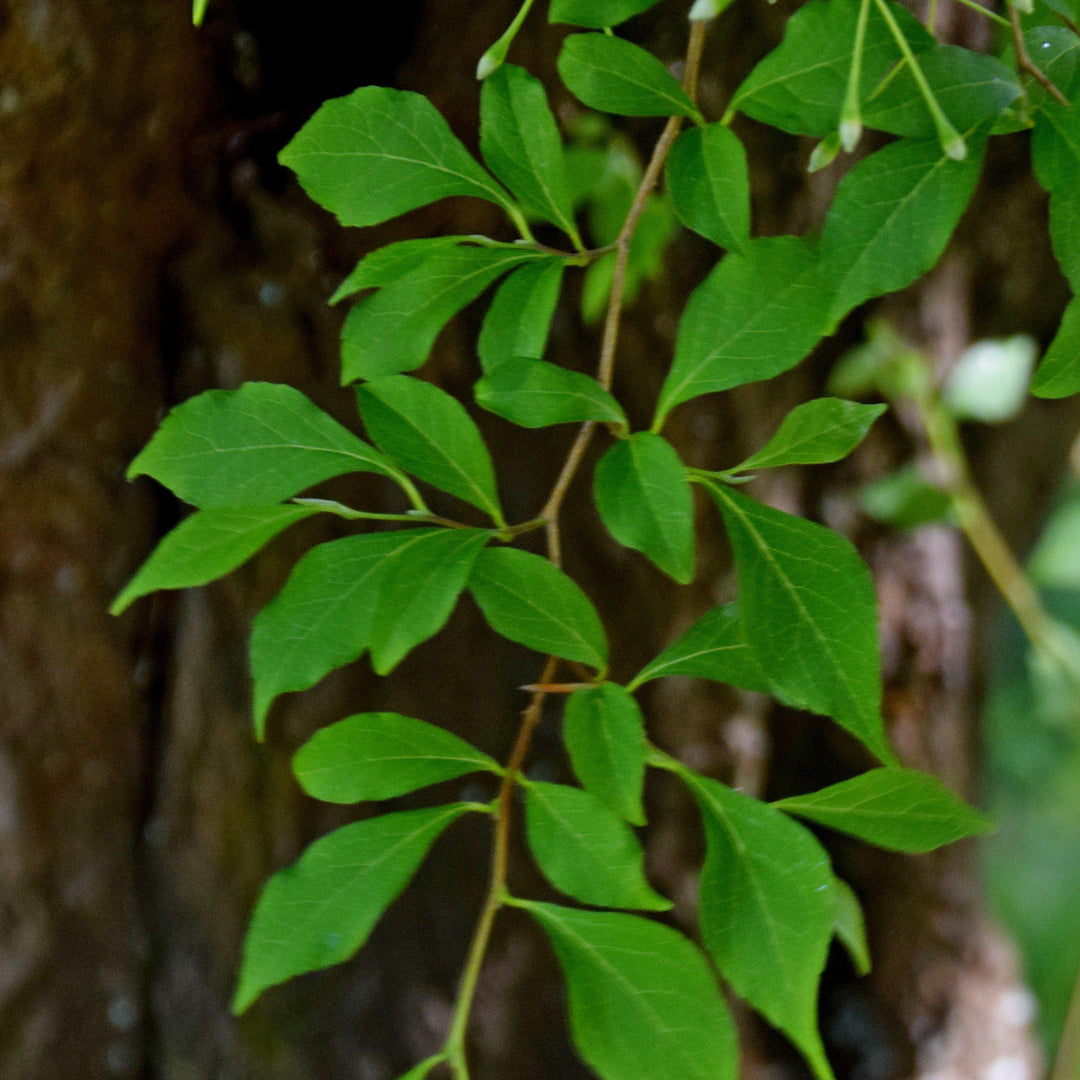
(1026, 64)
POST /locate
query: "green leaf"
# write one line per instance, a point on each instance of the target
(320, 910)
(395, 329)
(646, 503)
(1059, 373)
(380, 756)
(322, 617)
(597, 14)
(809, 614)
(713, 648)
(529, 600)
(799, 87)
(519, 320)
(206, 545)
(891, 218)
(643, 1003)
(615, 76)
(521, 145)
(420, 586)
(894, 808)
(585, 850)
(814, 433)
(757, 314)
(1055, 157)
(905, 499)
(767, 909)
(429, 434)
(989, 381)
(259, 444)
(850, 926)
(710, 189)
(971, 88)
(378, 153)
(604, 733)
(391, 263)
(535, 394)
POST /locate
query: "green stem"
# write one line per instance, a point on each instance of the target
(978, 526)
(951, 140)
(496, 53)
(850, 115)
(993, 16)
(409, 488)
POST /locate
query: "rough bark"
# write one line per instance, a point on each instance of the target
(150, 249)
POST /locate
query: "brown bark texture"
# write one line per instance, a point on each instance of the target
(150, 248)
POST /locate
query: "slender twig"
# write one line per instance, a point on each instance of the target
(993, 16)
(612, 320)
(530, 718)
(1024, 61)
(500, 858)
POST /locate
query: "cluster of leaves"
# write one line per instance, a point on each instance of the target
(644, 1000)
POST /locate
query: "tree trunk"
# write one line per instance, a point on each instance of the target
(152, 248)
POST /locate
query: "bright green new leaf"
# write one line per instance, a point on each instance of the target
(585, 850)
(206, 545)
(1059, 373)
(519, 320)
(536, 394)
(643, 1003)
(322, 617)
(259, 444)
(198, 11)
(809, 614)
(894, 808)
(604, 733)
(615, 76)
(989, 381)
(757, 314)
(420, 586)
(380, 756)
(799, 87)
(713, 648)
(710, 189)
(429, 434)
(395, 329)
(891, 218)
(521, 145)
(378, 153)
(321, 909)
(971, 88)
(646, 503)
(816, 432)
(850, 926)
(767, 909)
(391, 263)
(529, 600)
(596, 14)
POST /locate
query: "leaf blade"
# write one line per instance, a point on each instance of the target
(898, 809)
(528, 600)
(207, 545)
(430, 435)
(372, 756)
(643, 1003)
(536, 394)
(585, 850)
(604, 733)
(377, 153)
(615, 76)
(809, 613)
(644, 499)
(341, 885)
(518, 321)
(259, 444)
